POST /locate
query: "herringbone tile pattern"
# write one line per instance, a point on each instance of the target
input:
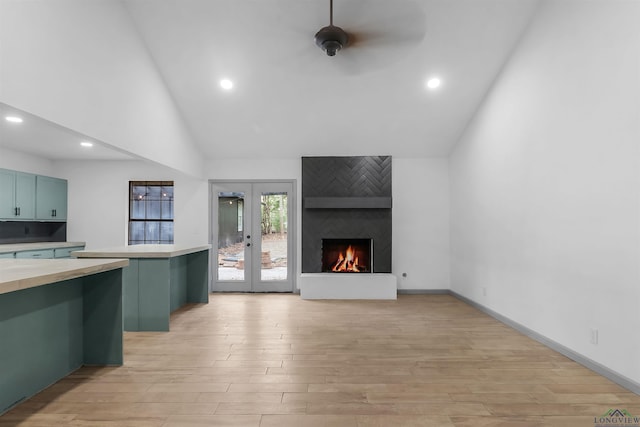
(346, 176)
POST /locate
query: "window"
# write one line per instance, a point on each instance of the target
(150, 212)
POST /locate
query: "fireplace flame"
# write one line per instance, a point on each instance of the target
(347, 262)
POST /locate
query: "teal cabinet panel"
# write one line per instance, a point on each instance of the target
(155, 287)
(153, 293)
(102, 319)
(8, 255)
(7, 194)
(198, 277)
(51, 198)
(178, 268)
(26, 195)
(65, 252)
(41, 330)
(18, 195)
(130, 296)
(42, 253)
(49, 331)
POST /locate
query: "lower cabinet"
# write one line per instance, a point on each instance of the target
(66, 252)
(43, 253)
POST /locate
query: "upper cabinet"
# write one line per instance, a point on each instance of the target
(51, 198)
(17, 195)
(25, 196)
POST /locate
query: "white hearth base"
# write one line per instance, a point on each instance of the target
(348, 286)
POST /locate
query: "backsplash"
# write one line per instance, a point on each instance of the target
(32, 232)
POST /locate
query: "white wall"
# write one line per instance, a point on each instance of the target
(23, 162)
(99, 194)
(545, 210)
(421, 223)
(82, 65)
(420, 212)
(98, 204)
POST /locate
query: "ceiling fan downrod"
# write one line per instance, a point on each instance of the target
(331, 38)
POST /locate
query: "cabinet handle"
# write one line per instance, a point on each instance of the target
(15, 211)
(53, 212)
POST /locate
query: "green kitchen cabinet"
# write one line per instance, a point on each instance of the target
(8, 255)
(39, 253)
(51, 198)
(17, 195)
(66, 252)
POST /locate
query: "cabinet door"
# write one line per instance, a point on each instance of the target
(25, 195)
(8, 255)
(7, 194)
(66, 252)
(17, 195)
(42, 253)
(51, 198)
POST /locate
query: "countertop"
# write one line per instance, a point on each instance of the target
(18, 274)
(18, 247)
(141, 251)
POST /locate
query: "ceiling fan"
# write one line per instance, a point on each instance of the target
(331, 38)
(379, 31)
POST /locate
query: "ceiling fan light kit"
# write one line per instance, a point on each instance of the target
(331, 39)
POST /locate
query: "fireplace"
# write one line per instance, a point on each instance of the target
(346, 198)
(346, 208)
(347, 255)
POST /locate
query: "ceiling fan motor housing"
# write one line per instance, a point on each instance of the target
(331, 39)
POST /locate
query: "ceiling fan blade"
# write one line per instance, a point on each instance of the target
(395, 22)
(380, 33)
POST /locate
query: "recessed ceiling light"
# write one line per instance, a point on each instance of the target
(86, 144)
(13, 119)
(434, 83)
(226, 84)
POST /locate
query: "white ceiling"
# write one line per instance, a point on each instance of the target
(290, 99)
(49, 140)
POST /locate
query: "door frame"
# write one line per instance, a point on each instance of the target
(292, 228)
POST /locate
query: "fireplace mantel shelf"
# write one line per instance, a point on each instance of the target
(347, 202)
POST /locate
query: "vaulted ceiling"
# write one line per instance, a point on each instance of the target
(290, 99)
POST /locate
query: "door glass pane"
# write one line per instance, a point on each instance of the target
(231, 243)
(273, 218)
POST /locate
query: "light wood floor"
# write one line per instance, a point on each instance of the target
(276, 361)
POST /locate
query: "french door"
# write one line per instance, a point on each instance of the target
(252, 225)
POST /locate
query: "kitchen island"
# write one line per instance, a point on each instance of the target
(159, 280)
(55, 316)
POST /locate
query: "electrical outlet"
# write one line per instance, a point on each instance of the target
(594, 336)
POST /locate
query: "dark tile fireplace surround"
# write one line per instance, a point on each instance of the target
(346, 200)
